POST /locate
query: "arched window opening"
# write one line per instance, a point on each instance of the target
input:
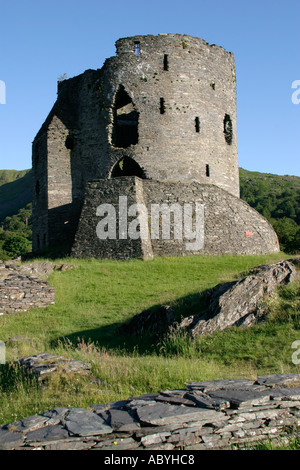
(127, 167)
(125, 130)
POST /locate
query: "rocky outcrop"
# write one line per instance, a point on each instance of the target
(240, 303)
(217, 414)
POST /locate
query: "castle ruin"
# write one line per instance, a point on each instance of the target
(157, 125)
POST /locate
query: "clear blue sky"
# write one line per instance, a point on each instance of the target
(41, 40)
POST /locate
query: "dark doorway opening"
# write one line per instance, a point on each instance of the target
(125, 130)
(127, 167)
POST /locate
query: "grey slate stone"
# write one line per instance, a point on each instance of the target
(82, 422)
(10, 440)
(221, 384)
(28, 424)
(175, 400)
(202, 400)
(47, 433)
(122, 421)
(162, 414)
(238, 398)
(279, 379)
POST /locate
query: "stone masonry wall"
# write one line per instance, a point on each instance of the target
(230, 226)
(219, 414)
(179, 91)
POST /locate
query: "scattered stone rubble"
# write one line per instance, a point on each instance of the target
(44, 364)
(218, 414)
(25, 286)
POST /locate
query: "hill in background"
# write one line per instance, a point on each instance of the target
(276, 197)
(15, 191)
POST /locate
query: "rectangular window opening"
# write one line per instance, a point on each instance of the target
(207, 171)
(197, 124)
(166, 62)
(137, 48)
(162, 106)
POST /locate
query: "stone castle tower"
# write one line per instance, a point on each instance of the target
(157, 123)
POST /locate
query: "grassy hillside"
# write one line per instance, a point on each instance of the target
(277, 198)
(15, 191)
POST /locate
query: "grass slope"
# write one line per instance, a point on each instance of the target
(93, 300)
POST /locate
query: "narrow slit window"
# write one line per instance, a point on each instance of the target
(137, 48)
(166, 62)
(197, 124)
(37, 188)
(207, 171)
(162, 107)
(228, 132)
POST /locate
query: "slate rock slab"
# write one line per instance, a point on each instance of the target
(10, 440)
(239, 303)
(122, 421)
(163, 414)
(81, 422)
(289, 380)
(47, 433)
(238, 398)
(44, 364)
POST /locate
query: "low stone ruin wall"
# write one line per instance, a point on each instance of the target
(219, 414)
(20, 291)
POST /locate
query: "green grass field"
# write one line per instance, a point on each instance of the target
(93, 300)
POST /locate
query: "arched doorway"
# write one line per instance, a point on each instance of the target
(126, 166)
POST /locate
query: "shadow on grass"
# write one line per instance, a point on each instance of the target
(109, 337)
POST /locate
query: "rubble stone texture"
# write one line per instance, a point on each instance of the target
(219, 414)
(20, 291)
(161, 114)
(25, 286)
